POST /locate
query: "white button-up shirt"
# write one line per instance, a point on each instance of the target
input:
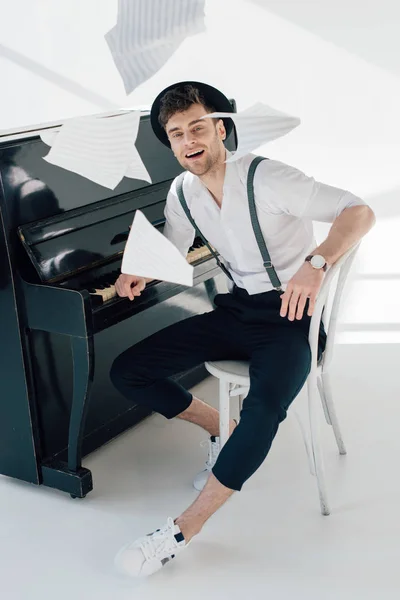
(287, 202)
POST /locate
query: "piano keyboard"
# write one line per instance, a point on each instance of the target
(106, 290)
(197, 251)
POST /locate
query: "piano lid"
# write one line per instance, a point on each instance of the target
(28, 131)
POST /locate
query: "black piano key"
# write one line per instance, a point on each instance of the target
(96, 300)
(108, 279)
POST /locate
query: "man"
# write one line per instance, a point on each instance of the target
(254, 321)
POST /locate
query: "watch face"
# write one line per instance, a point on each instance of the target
(318, 261)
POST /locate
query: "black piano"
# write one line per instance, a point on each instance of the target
(61, 243)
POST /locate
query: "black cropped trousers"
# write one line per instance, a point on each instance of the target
(241, 327)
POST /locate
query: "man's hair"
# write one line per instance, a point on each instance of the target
(180, 99)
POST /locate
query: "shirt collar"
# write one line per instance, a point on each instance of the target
(231, 174)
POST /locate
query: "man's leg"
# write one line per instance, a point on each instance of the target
(142, 373)
(210, 499)
(202, 414)
(278, 370)
(280, 362)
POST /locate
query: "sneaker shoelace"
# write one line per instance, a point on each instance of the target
(213, 451)
(160, 543)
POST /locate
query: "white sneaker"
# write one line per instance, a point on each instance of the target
(213, 450)
(151, 552)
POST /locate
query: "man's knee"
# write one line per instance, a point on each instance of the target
(118, 372)
(128, 370)
(262, 414)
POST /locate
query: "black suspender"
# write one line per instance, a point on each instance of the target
(256, 225)
(254, 221)
(179, 189)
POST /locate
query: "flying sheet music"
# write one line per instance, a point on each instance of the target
(99, 148)
(49, 137)
(147, 34)
(148, 253)
(256, 126)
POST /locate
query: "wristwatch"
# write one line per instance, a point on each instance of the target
(317, 261)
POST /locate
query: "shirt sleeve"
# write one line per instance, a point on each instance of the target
(285, 189)
(177, 227)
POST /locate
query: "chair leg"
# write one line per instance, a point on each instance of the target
(323, 400)
(224, 406)
(306, 440)
(241, 398)
(315, 442)
(325, 390)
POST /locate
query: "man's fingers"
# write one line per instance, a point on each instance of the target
(134, 289)
(285, 300)
(138, 288)
(119, 289)
(301, 305)
(129, 291)
(293, 305)
(311, 305)
(304, 285)
(129, 287)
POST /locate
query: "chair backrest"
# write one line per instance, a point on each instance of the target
(342, 268)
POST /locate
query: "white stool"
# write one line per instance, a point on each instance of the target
(234, 377)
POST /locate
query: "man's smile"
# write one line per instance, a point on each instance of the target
(194, 154)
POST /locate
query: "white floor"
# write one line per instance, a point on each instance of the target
(268, 541)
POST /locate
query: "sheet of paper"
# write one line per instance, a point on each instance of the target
(147, 34)
(100, 149)
(143, 21)
(49, 137)
(256, 126)
(137, 65)
(148, 253)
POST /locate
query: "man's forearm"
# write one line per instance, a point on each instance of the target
(347, 229)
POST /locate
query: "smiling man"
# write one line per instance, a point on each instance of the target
(264, 318)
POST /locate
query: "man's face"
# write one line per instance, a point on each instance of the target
(197, 143)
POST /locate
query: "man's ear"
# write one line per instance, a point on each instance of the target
(221, 129)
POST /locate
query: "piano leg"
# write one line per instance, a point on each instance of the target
(83, 372)
(66, 474)
(70, 476)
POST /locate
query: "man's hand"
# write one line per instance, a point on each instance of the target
(129, 286)
(304, 284)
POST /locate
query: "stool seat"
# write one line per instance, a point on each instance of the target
(236, 371)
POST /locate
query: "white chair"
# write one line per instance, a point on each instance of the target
(234, 378)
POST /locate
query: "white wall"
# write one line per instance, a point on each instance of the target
(335, 65)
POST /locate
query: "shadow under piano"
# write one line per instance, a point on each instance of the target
(61, 243)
